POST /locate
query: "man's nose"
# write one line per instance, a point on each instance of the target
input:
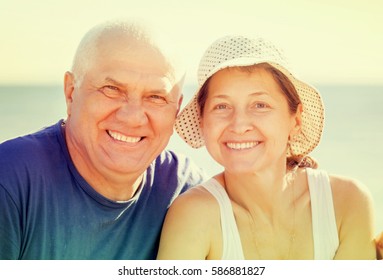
(132, 112)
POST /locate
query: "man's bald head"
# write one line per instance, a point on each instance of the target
(127, 36)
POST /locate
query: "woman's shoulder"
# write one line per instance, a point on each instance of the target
(348, 188)
(343, 187)
(198, 199)
(353, 202)
(354, 212)
(191, 224)
(350, 196)
(188, 209)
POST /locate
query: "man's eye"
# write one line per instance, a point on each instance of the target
(110, 91)
(157, 99)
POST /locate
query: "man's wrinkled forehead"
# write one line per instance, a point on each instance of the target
(149, 82)
(159, 84)
(142, 53)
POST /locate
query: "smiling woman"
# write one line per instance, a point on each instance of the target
(260, 123)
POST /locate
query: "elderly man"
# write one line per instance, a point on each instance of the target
(98, 185)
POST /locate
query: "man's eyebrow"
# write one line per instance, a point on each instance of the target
(155, 90)
(113, 81)
(158, 91)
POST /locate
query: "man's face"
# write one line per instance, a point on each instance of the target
(121, 115)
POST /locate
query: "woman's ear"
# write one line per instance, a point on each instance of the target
(297, 124)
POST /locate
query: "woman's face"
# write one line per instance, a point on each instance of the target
(246, 121)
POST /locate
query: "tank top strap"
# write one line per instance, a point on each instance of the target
(325, 232)
(232, 246)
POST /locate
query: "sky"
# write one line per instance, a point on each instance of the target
(331, 41)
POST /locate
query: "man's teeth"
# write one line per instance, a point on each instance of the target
(242, 146)
(123, 138)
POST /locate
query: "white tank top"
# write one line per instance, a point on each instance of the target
(325, 233)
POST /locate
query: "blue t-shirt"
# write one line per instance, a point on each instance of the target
(48, 210)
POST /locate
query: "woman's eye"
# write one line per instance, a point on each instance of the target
(221, 107)
(261, 105)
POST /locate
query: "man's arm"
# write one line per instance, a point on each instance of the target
(10, 233)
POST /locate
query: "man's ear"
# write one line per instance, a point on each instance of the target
(68, 90)
(180, 103)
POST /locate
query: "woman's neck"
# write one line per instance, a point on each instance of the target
(265, 190)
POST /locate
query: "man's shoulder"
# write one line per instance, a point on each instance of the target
(171, 168)
(30, 141)
(175, 161)
(26, 160)
(172, 158)
(29, 149)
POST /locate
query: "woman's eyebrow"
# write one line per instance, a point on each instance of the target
(257, 93)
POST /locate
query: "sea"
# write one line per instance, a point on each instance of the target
(352, 143)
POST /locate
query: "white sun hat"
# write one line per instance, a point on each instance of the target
(233, 51)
